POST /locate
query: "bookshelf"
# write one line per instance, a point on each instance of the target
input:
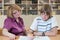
(55, 4)
(1, 7)
(30, 7)
(7, 3)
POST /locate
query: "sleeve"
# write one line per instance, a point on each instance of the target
(7, 24)
(34, 25)
(54, 22)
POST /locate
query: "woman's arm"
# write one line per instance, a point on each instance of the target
(6, 33)
(53, 32)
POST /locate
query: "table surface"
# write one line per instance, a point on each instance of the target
(57, 37)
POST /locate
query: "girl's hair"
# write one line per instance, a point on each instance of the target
(47, 9)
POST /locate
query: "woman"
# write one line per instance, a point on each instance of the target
(13, 24)
(45, 24)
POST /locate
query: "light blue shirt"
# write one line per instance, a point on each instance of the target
(42, 26)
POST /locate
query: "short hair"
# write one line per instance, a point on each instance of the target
(46, 8)
(11, 8)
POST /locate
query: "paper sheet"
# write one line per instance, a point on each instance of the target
(35, 38)
(41, 38)
(24, 38)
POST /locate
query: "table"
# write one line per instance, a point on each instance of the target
(57, 37)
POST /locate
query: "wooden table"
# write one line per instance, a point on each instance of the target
(57, 37)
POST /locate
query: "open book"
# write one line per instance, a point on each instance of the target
(35, 38)
(41, 38)
(24, 38)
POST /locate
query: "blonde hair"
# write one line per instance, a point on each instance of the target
(11, 8)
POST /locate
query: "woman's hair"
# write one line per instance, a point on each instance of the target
(46, 8)
(11, 8)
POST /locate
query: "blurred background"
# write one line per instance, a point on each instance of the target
(30, 9)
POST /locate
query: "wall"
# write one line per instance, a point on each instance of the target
(27, 20)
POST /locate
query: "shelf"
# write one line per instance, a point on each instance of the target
(23, 12)
(43, 1)
(58, 12)
(32, 4)
(6, 7)
(9, 2)
(23, 9)
(57, 1)
(5, 1)
(20, 4)
(30, 7)
(0, 5)
(55, 9)
(18, 1)
(5, 12)
(33, 12)
(0, 12)
(33, 9)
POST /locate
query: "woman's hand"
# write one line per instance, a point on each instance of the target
(12, 36)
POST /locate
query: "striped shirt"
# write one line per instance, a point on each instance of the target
(42, 26)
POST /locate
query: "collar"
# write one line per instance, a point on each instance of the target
(13, 19)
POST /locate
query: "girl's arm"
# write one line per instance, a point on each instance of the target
(53, 32)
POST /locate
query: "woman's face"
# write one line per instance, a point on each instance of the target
(44, 16)
(16, 13)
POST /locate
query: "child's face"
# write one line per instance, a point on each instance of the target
(44, 16)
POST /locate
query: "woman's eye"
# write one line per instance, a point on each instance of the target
(15, 13)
